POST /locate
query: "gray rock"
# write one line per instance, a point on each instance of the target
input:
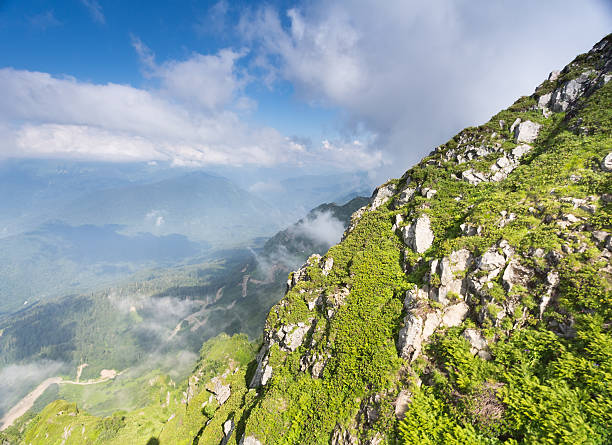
(469, 230)
(402, 403)
(343, 437)
(491, 261)
(477, 341)
(222, 392)
(404, 197)
(418, 235)
(516, 274)
(553, 281)
(228, 429)
(448, 268)
(432, 321)
(317, 368)
(514, 124)
(455, 314)
(503, 162)
(428, 193)
(554, 75)
(294, 337)
(381, 195)
(600, 235)
(567, 94)
(606, 163)
(526, 132)
(413, 295)
(544, 100)
(263, 372)
(521, 150)
(327, 267)
(460, 260)
(506, 218)
(473, 177)
(410, 337)
(250, 440)
(399, 220)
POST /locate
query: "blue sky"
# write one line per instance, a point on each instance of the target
(317, 86)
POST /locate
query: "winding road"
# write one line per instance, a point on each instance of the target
(28, 401)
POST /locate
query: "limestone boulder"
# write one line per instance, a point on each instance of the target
(516, 274)
(381, 195)
(455, 314)
(418, 235)
(249, 440)
(473, 177)
(222, 392)
(564, 96)
(410, 337)
(526, 131)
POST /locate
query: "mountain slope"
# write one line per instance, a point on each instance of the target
(472, 299)
(469, 302)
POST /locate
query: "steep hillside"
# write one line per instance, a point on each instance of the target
(469, 302)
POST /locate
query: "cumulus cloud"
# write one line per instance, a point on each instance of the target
(209, 81)
(186, 120)
(414, 73)
(47, 116)
(403, 77)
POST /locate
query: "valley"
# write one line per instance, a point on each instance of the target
(142, 324)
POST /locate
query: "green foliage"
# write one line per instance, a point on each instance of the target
(363, 354)
(429, 422)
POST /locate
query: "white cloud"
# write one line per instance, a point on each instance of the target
(95, 10)
(405, 76)
(324, 228)
(191, 119)
(79, 141)
(414, 73)
(208, 81)
(46, 116)
(16, 380)
(352, 155)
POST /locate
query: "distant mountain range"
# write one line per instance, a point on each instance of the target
(69, 226)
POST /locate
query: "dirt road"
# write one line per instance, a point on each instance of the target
(28, 401)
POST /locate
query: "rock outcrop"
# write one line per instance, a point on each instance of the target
(418, 235)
